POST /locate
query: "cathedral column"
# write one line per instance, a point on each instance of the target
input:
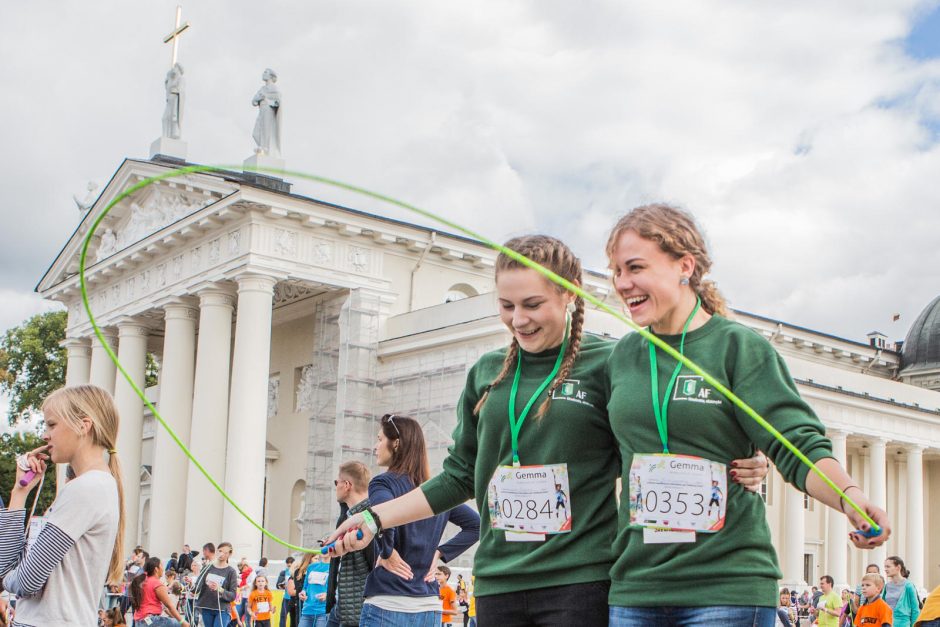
(247, 421)
(102, 369)
(132, 353)
(914, 555)
(794, 537)
(77, 372)
(210, 415)
(78, 366)
(176, 406)
(837, 542)
(878, 491)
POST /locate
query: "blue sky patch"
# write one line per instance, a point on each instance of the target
(923, 42)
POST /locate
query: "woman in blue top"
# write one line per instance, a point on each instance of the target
(399, 591)
(900, 593)
(313, 595)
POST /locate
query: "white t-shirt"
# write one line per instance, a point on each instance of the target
(86, 510)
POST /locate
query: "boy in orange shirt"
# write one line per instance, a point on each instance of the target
(875, 612)
(261, 602)
(447, 595)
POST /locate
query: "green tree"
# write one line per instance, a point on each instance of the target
(11, 445)
(32, 362)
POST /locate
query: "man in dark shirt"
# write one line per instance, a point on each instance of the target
(348, 573)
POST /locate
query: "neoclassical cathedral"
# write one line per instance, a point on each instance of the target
(285, 327)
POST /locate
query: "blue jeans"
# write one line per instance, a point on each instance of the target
(214, 618)
(313, 620)
(285, 610)
(373, 616)
(724, 615)
(157, 621)
(332, 619)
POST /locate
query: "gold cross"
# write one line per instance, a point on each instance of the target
(175, 35)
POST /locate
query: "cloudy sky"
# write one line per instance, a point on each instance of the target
(804, 135)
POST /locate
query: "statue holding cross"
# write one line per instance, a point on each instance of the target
(175, 96)
(174, 85)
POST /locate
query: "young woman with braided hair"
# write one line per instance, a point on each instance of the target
(679, 435)
(537, 408)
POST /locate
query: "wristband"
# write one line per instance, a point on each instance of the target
(370, 522)
(842, 498)
(375, 520)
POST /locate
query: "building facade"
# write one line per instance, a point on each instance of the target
(285, 326)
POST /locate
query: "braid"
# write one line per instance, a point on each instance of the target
(571, 354)
(512, 354)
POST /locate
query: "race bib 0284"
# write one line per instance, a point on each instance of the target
(531, 499)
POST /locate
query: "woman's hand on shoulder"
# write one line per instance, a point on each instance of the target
(750, 472)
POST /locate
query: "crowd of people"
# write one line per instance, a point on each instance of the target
(403, 574)
(546, 428)
(889, 600)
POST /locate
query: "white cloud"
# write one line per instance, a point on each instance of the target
(16, 307)
(794, 131)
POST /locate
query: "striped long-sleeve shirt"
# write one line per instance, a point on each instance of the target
(58, 579)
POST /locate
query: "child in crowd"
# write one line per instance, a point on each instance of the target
(464, 604)
(113, 617)
(261, 602)
(875, 612)
(786, 610)
(173, 587)
(447, 595)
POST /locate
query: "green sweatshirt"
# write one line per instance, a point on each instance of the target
(575, 431)
(737, 565)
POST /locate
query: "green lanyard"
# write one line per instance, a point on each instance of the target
(515, 424)
(662, 421)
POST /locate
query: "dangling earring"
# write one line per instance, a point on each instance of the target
(571, 307)
(684, 280)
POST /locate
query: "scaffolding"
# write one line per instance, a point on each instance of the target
(348, 389)
(427, 386)
(342, 381)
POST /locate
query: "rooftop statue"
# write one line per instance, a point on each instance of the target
(267, 132)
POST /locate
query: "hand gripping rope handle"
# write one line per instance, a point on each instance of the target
(548, 274)
(326, 547)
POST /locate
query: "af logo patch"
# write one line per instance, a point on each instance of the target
(693, 388)
(570, 390)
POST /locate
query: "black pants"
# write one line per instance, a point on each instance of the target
(581, 604)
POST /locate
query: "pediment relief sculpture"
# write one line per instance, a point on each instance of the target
(157, 211)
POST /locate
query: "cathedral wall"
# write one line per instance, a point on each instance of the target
(291, 347)
(433, 280)
(932, 524)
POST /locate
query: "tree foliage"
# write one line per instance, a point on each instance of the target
(32, 362)
(11, 445)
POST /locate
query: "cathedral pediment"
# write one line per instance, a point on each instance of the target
(158, 207)
(135, 218)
